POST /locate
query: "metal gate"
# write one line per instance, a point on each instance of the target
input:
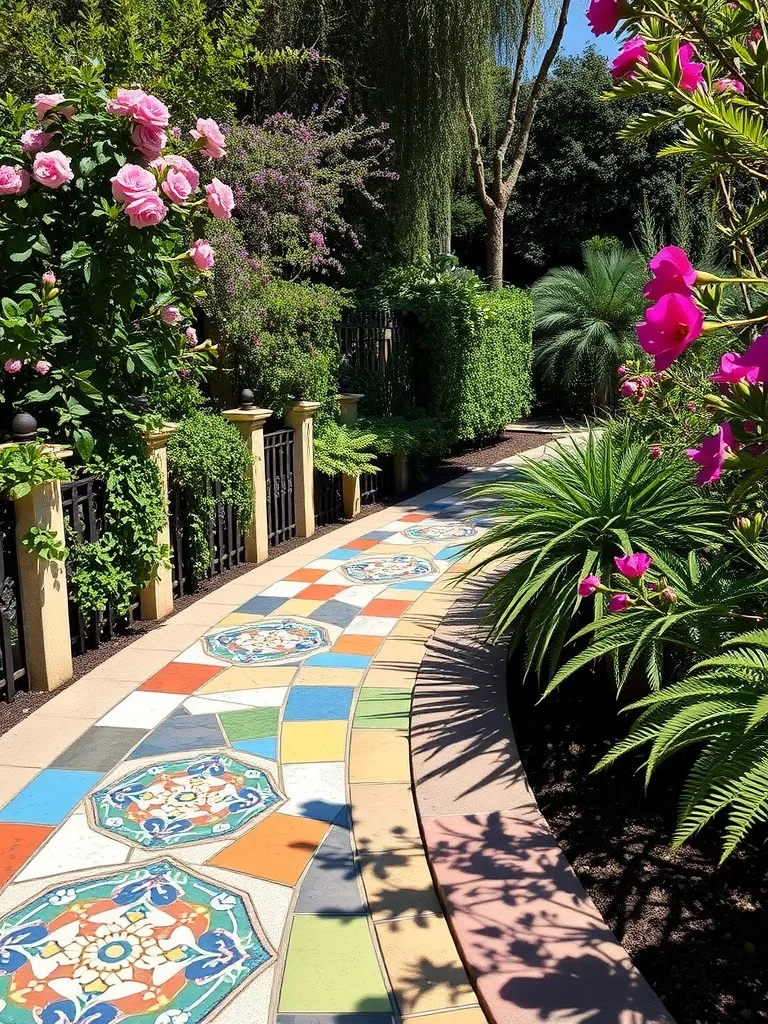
(13, 672)
(278, 457)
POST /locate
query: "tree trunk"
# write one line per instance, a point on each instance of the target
(494, 221)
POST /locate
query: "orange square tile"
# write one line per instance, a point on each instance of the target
(180, 678)
(18, 843)
(362, 544)
(306, 575)
(386, 609)
(321, 592)
(357, 643)
(277, 849)
(414, 517)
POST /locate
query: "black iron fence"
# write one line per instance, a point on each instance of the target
(13, 672)
(378, 486)
(225, 541)
(329, 500)
(83, 505)
(378, 351)
(278, 458)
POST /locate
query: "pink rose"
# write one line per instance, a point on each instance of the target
(49, 278)
(619, 603)
(145, 211)
(47, 101)
(150, 112)
(191, 336)
(220, 199)
(712, 454)
(43, 366)
(629, 389)
(656, 452)
(211, 137)
(12, 366)
(35, 139)
(588, 586)
(132, 181)
(633, 566)
(179, 163)
(604, 15)
(202, 254)
(729, 85)
(691, 74)
(751, 367)
(170, 314)
(632, 55)
(672, 272)
(669, 328)
(52, 169)
(149, 140)
(124, 102)
(14, 181)
(176, 186)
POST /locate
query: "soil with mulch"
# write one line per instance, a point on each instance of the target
(453, 466)
(697, 931)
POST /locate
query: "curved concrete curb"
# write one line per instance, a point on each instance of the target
(534, 944)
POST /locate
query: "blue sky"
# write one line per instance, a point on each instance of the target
(578, 33)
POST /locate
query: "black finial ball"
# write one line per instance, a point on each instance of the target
(345, 385)
(24, 428)
(247, 400)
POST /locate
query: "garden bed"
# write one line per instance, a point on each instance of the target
(697, 932)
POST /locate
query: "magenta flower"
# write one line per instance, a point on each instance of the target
(619, 603)
(656, 452)
(12, 366)
(604, 15)
(588, 586)
(691, 407)
(729, 85)
(49, 278)
(691, 74)
(669, 328)
(170, 314)
(191, 336)
(317, 239)
(672, 272)
(623, 370)
(633, 566)
(632, 55)
(629, 389)
(713, 453)
(42, 366)
(751, 367)
(14, 181)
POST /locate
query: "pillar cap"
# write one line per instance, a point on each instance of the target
(256, 416)
(349, 398)
(159, 438)
(303, 409)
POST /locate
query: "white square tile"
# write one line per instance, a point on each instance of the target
(210, 706)
(233, 700)
(196, 655)
(361, 594)
(285, 588)
(143, 709)
(314, 790)
(74, 847)
(334, 578)
(371, 625)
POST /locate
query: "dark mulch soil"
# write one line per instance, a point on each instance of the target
(448, 469)
(697, 931)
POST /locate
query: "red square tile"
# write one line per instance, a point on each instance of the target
(357, 643)
(321, 592)
(18, 843)
(414, 517)
(362, 544)
(306, 576)
(180, 678)
(385, 608)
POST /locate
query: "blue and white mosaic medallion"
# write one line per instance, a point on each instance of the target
(277, 638)
(388, 568)
(443, 531)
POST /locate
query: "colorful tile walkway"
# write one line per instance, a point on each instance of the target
(227, 830)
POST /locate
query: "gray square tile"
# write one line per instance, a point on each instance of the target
(99, 749)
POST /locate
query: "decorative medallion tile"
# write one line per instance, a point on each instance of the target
(388, 568)
(443, 531)
(274, 639)
(183, 801)
(150, 945)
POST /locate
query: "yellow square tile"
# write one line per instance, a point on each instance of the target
(400, 678)
(383, 820)
(379, 755)
(420, 627)
(400, 653)
(311, 676)
(235, 619)
(312, 741)
(254, 678)
(391, 594)
(398, 884)
(299, 606)
(432, 604)
(464, 1015)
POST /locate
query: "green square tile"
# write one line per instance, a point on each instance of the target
(258, 724)
(380, 707)
(331, 967)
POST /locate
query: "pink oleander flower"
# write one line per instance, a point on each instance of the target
(176, 186)
(751, 367)
(220, 200)
(750, 426)
(179, 163)
(754, 37)
(656, 452)
(668, 594)
(629, 389)
(191, 336)
(149, 140)
(47, 101)
(211, 136)
(633, 566)
(619, 603)
(132, 181)
(42, 366)
(691, 74)
(202, 254)
(150, 112)
(35, 139)
(632, 55)
(713, 453)
(588, 586)
(12, 365)
(691, 407)
(669, 328)
(124, 102)
(52, 169)
(672, 272)
(170, 314)
(729, 85)
(604, 15)
(14, 181)
(623, 370)
(145, 211)
(49, 278)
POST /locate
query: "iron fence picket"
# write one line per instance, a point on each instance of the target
(278, 458)
(13, 670)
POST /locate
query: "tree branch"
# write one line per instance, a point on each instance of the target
(514, 94)
(478, 169)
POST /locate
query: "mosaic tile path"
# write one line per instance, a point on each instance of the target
(218, 822)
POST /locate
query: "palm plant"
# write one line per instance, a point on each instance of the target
(584, 321)
(566, 516)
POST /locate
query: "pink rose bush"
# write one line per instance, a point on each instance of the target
(209, 138)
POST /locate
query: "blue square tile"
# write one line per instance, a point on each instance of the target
(329, 660)
(261, 605)
(412, 585)
(335, 613)
(450, 554)
(259, 748)
(342, 554)
(379, 535)
(318, 703)
(49, 797)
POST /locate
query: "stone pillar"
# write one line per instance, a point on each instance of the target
(300, 415)
(250, 422)
(43, 587)
(350, 485)
(401, 472)
(348, 407)
(157, 595)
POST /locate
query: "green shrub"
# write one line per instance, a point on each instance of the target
(340, 448)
